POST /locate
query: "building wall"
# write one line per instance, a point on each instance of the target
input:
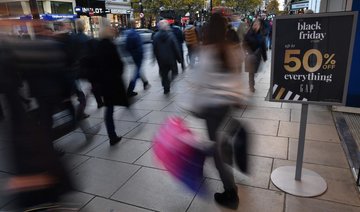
(46, 3)
(314, 5)
(335, 5)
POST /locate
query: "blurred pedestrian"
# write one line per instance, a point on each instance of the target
(254, 43)
(41, 177)
(243, 29)
(109, 71)
(167, 53)
(87, 47)
(218, 89)
(192, 40)
(72, 47)
(134, 46)
(180, 40)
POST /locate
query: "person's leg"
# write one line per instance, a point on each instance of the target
(214, 119)
(191, 56)
(142, 76)
(82, 100)
(97, 94)
(2, 116)
(252, 81)
(229, 197)
(182, 58)
(110, 126)
(174, 70)
(164, 73)
(134, 79)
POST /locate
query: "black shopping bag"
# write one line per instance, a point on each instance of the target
(238, 140)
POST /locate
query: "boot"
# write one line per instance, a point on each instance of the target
(114, 140)
(228, 199)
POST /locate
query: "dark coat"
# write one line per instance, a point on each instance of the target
(254, 44)
(109, 74)
(134, 46)
(43, 64)
(166, 49)
(179, 35)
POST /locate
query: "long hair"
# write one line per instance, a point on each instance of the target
(215, 34)
(216, 29)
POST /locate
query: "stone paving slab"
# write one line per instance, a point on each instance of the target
(156, 190)
(316, 132)
(341, 185)
(314, 117)
(297, 204)
(267, 113)
(127, 150)
(102, 177)
(323, 153)
(77, 143)
(144, 132)
(268, 146)
(101, 204)
(251, 199)
(258, 175)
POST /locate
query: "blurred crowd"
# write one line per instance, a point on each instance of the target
(43, 63)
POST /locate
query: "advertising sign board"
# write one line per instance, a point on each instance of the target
(311, 57)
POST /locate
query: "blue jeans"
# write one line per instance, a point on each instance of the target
(136, 76)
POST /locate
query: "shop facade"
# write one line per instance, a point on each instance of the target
(120, 13)
(19, 8)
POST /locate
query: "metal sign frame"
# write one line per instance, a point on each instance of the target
(350, 54)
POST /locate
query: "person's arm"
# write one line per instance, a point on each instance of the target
(175, 47)
(263, 49)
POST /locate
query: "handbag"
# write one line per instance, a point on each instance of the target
(236, 146)
(175, 147)
(252, 61)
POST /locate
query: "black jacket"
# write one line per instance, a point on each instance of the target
(109, 74)
(255, 43)
(166, 49)
(43, 64)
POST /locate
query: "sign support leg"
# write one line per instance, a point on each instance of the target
(305, 183)
(301, 144)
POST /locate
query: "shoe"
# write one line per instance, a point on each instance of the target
(132, 93)
(228, 199)
(252, 89)
(166, 91)
(146, 85)
(115, 140)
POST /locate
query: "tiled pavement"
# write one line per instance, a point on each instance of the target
(125, 177)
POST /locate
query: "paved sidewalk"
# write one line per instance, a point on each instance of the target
(125, 177)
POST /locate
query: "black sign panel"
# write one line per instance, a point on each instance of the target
(311, 57)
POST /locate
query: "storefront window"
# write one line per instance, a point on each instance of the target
(3, 10)
(11, 9)
(61, 7)
(40, 6)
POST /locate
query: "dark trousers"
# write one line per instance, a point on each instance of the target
(164, 74)
(251, 79)
(2, 116)
(109, 121)
(214, 117)
(192, 54)
(81, 98)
